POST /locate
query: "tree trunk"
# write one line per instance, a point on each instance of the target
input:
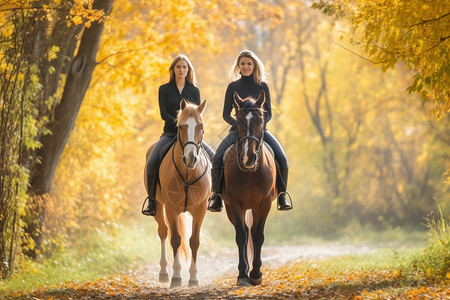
(77, 82)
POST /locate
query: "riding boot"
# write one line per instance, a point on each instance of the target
(283, 203)
(215, 202)
(150, 209)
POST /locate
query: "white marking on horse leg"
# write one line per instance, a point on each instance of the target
(163, 262)
(248, 117)
(193, 272)
(176, 266)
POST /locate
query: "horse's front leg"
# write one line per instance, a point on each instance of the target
(162, 232)
(258, 240)
(194, 243)
(241, 241)
(175, 241)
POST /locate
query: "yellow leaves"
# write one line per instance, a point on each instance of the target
(77, 20)
(53, 53)
(82, 14)
(7, 30)
(393, 32)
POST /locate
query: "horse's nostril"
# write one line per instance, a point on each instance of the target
(251, 161)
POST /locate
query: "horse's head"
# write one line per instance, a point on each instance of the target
(250, 130)
(190, 131)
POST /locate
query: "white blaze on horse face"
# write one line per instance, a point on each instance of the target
(190, 148)
(248, 117)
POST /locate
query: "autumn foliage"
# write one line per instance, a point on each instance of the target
(364, 149)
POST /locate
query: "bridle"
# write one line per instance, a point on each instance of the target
(250, 137)
(188, 184)
(197, 146)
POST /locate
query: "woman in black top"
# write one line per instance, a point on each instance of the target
(182, 84)
(249, 80)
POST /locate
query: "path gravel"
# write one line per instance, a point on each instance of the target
(222, 263)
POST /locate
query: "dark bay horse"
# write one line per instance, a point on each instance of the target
(184, 187)
(250, 176)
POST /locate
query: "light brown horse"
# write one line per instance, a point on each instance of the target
(250, 176)
(184, 187)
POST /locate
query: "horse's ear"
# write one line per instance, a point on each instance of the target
(183, 104)
(237, 99)
(261, 99)
(201, 107)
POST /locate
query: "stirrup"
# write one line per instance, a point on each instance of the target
(290, 200)
(143, 211)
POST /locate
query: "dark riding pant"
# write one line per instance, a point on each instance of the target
(217, 165)
(280, 158)
(209, 150)
(154, 161)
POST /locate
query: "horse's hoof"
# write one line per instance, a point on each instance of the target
(243, 282)
(175, 282)
(193, 282)
(254, 281)
(163, 277)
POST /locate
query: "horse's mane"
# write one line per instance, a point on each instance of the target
(189, 111)
(249, 102)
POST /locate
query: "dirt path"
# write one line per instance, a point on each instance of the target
(223, 262)
(217, 276)
(142, 282)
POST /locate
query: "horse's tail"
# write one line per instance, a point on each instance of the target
(249, 223)
(184, 221)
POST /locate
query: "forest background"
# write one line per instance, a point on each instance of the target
(360, 99)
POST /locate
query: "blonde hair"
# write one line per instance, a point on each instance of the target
(259, 72)
(190, 76)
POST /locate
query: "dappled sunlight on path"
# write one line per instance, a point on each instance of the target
(288, 272)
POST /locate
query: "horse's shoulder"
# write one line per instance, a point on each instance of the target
(267, 146)
(227, 153)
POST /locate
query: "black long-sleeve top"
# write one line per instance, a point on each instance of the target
(245, 87)
(169, 102)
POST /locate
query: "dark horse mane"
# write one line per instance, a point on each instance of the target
(249, 103)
